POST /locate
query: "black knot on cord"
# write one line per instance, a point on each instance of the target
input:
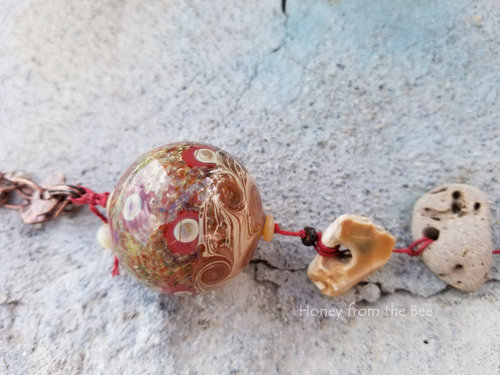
(310, 237)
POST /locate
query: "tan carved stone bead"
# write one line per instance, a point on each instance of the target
(457, 217)
(370, 247)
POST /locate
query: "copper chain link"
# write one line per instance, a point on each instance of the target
(39, 203)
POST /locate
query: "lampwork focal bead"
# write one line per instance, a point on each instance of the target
(185, 218)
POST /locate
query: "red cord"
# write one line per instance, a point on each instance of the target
(414, 249)
(93, 199)
(324, 250)
(319, 246)
(417, 247)
(301, 233)
(116, 267)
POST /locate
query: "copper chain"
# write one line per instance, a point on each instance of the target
(39, 203)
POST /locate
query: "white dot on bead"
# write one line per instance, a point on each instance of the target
(186, 230)
(205, 155)
(132, 207)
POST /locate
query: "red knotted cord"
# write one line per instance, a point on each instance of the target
(94, 199)
(414, 249)
(324, 250)
(320, 248)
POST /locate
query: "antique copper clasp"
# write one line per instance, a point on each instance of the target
(39, 203)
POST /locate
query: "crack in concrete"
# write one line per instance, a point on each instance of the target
(258, 66)
(267, 283)
(272, 266)
(283, 6)
(384, 291)
(11, 315)
(266, 263)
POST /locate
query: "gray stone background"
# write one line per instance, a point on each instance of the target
(344, 106)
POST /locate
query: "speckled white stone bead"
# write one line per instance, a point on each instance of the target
(457, 217)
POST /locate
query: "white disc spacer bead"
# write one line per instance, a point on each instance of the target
(104, 236)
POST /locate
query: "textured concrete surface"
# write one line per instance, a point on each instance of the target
(337, 107)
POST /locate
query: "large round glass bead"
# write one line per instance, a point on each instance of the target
(185, 218)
